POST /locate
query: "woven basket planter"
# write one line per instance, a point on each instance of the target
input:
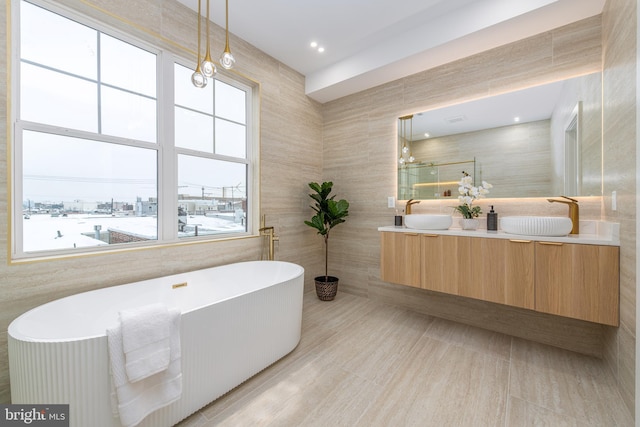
(326, 287)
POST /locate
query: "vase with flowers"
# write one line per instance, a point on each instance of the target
(468, 194)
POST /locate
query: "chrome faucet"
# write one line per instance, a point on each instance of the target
(271, 233)
(574, 212)
(407, 207)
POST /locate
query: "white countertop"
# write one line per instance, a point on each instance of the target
(591, 233)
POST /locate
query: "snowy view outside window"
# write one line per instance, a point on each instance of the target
(89, 144)
(76, 190)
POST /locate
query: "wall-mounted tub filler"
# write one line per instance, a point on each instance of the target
(271, 235)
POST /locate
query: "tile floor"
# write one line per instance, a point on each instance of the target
(361, 363)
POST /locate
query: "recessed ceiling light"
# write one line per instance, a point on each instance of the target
(516, 119)
(426, 134)
(314, 45)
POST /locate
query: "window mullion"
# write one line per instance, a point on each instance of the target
(99, 85)
(167, 159)
(18, 217)
(15, 163)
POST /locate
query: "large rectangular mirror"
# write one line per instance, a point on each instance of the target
(537, 142)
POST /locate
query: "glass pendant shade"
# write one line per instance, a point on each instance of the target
(226, 59)
(208, 67)
(198, 78)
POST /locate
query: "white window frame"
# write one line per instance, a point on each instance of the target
(167, 152)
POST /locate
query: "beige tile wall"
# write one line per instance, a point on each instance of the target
(291, 151)
(619, 127)
(360, 151)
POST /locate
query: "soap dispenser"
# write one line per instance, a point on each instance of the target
(492, 220)
(398, 219)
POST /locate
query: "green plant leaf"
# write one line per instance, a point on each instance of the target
(468, 211)
(336, 211)
(315, 187)
(318, 222)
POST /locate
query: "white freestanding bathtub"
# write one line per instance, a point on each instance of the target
(236, 320)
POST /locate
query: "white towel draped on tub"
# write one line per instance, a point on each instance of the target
(145, 340)
(134, 400)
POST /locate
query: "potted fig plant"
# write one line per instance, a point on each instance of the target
(328, 214)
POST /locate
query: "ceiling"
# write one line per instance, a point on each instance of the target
(371, 42)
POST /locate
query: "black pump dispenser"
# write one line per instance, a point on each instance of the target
(492, 220)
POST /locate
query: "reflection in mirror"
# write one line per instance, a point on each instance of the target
(538, 142)
(572, 183)
(422, 181)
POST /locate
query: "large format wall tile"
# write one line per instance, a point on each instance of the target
(619, 29)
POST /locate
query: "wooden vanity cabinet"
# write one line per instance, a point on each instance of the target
(493, 270)
(571, 280)
(578, 281)
(503, 272)
(445, 262)
(400, 258)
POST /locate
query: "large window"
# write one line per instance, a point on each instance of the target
(93, 164)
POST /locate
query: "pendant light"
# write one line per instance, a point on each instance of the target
(208, 67)
(406, 155)
(411, 158)
(226, 59)
(197, 78)
(403, 139)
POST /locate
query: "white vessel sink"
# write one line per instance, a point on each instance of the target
(428, 221)
(536, 225)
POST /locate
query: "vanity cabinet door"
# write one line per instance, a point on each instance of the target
(445, 262)
(578, 281)
(503, 272)
(400, 258)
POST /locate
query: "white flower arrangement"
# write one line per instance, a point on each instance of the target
(469, 193)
